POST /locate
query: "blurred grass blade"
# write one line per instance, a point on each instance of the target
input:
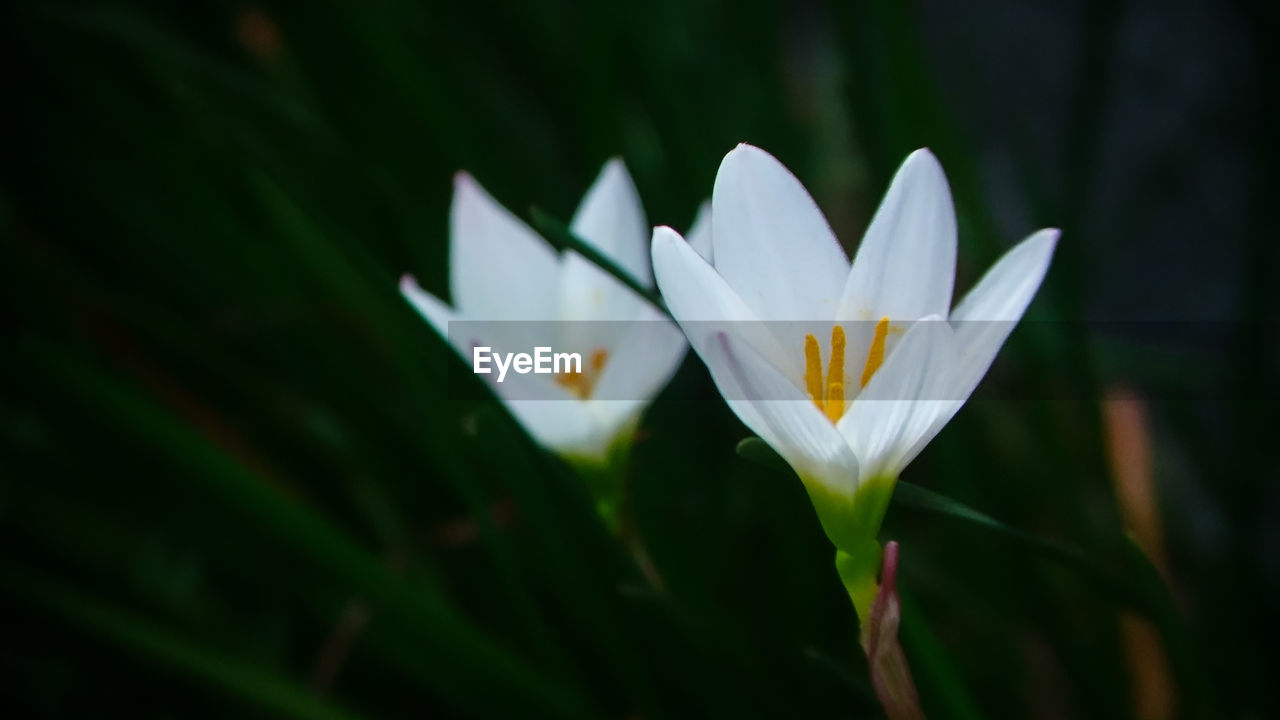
(562, 238)
(254, 684)
(569, 567)
(1135, 584)
(917, 498)
(465, 658)
(941, 687)
(1195, 693)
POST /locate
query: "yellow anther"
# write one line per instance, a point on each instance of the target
(813, 370)
(835, 401)
(875, 356)
(598, 358)
(827, 396)
(582, 383)
(575, 383)
(835, 376)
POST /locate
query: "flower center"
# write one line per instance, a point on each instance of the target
(582, 383)
(829, 395)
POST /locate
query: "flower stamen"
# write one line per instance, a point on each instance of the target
(813, 370)
(828, 396)
(875, 356)
(835, 376)
(582, 383)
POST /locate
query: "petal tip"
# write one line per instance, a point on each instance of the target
(665, 234)
(462, 179)
(467, 192)
(408, 282)
(615, 166)
(923, 160)
(614, 175)
(922, 153)
(1044, 241)
(743, 151)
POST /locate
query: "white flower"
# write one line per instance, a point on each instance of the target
(512, 292)
(782, 297)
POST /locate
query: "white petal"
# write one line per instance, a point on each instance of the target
(463, 335)
(699, 235)
(555, 419)
(594, 306)
(498, 267)
(885, 423)
(905, 267)
(566, 426)
(780, 414)
(551, 414)
(690, 287)
(771, 242)
(593, 302)
(985, 317)
(703, 303)
(644, 361)
(612, 220)
(434, 310)
(612, 419)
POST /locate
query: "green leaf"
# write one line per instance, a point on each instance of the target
(758, 452)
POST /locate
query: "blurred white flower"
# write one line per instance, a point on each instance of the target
(781, 297)
(513, 292)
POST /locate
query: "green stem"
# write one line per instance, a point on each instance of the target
(858, 571)
(852, 524)
(606, 480)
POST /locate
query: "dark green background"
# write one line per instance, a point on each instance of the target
(234, 484)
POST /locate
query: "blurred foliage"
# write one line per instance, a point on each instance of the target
(233, 483)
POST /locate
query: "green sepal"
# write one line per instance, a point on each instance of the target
(859, 571)
(851, 523)
(858, 552)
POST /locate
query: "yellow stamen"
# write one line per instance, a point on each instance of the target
(582, 383)
(828, 396)
(835, 376)
(598, 358)
(875, 356)
(813, 370)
